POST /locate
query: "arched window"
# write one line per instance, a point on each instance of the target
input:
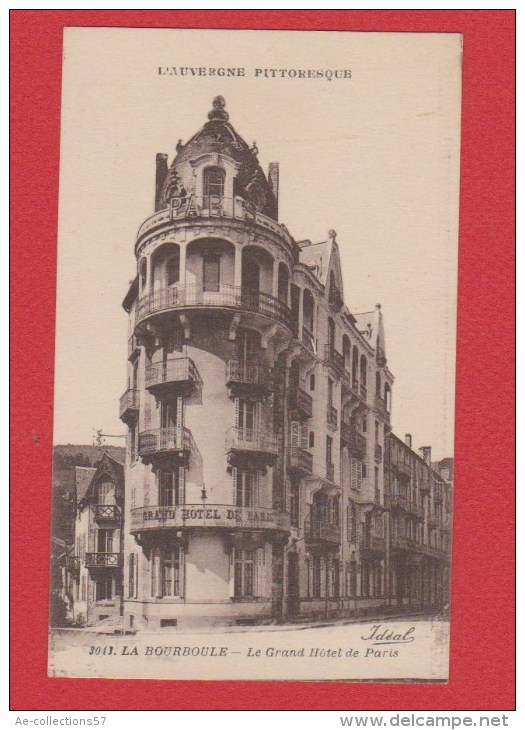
(282, 283)
(143, 273)
(308, 310)
(331, 333)
(172, 270)
(378, 384)
(355, 366)
(214, 181)
(346, 352)
(362, 369)
(388, 397)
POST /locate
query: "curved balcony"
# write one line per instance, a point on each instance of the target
(300, 460)
(378, 453)
(402, 468)
(257, 303)
(103, 560)
(210, 209)
(381, 408)
(129, 406)
(402, 543)
(73, 563)
(334, 360)
(331, 417)
(398, 502)
(176, 375)
(373, 544)
(243, 377)
(321, 533)
(210, 516)
(355, 441)
(157, 444)
(300, 405)
(250, 445)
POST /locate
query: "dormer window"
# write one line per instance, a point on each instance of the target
(214, 178)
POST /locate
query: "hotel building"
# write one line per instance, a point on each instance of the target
(262, 480)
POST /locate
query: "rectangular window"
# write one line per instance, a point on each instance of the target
(169, 488)
(330, 392)
(132, 443)
(245, 492)
(246, 418)
(311, 440)
(105, 541)
(131, 575)
(104, 588)
(294, 503)
(244, 573)
(106, 493)
(328, 450)
(312, 382)
(170, 573)
(211, 273)
(316, 576)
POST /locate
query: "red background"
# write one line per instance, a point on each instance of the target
(482, 641)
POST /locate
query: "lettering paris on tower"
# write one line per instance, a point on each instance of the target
(262, 480)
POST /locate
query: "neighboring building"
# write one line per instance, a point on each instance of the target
(258, 414)
(420, 523)
(66, 459)
(94, 577)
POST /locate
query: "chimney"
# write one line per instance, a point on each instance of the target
(273, 179)
(426, 453)
(408, 440)
(160, 176)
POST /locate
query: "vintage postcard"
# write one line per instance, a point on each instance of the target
(254, 394)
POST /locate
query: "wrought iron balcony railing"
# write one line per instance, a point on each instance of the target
(162, 440)
(73, 563)
(300, 460)
(248, 373)
(380, 405)
(307, 339)
(300, 404)
(174, 372)
(322, 531)
(398, 502)
(252, 442)
(373, 543)
(129, 405)
(107, 512)
(402, 467)
(331, 416)
(103, 560)
(334, 359)
(353, 439)
(228, 297)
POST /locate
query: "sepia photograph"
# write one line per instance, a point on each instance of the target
(253, 453)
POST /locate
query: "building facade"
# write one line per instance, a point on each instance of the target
(261, 475)
(94, 567)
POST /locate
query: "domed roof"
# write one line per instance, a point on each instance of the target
(218, 135)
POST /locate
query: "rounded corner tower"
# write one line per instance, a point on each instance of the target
(205, 517)
(262, 479)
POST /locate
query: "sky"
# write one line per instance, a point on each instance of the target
(374, 157)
